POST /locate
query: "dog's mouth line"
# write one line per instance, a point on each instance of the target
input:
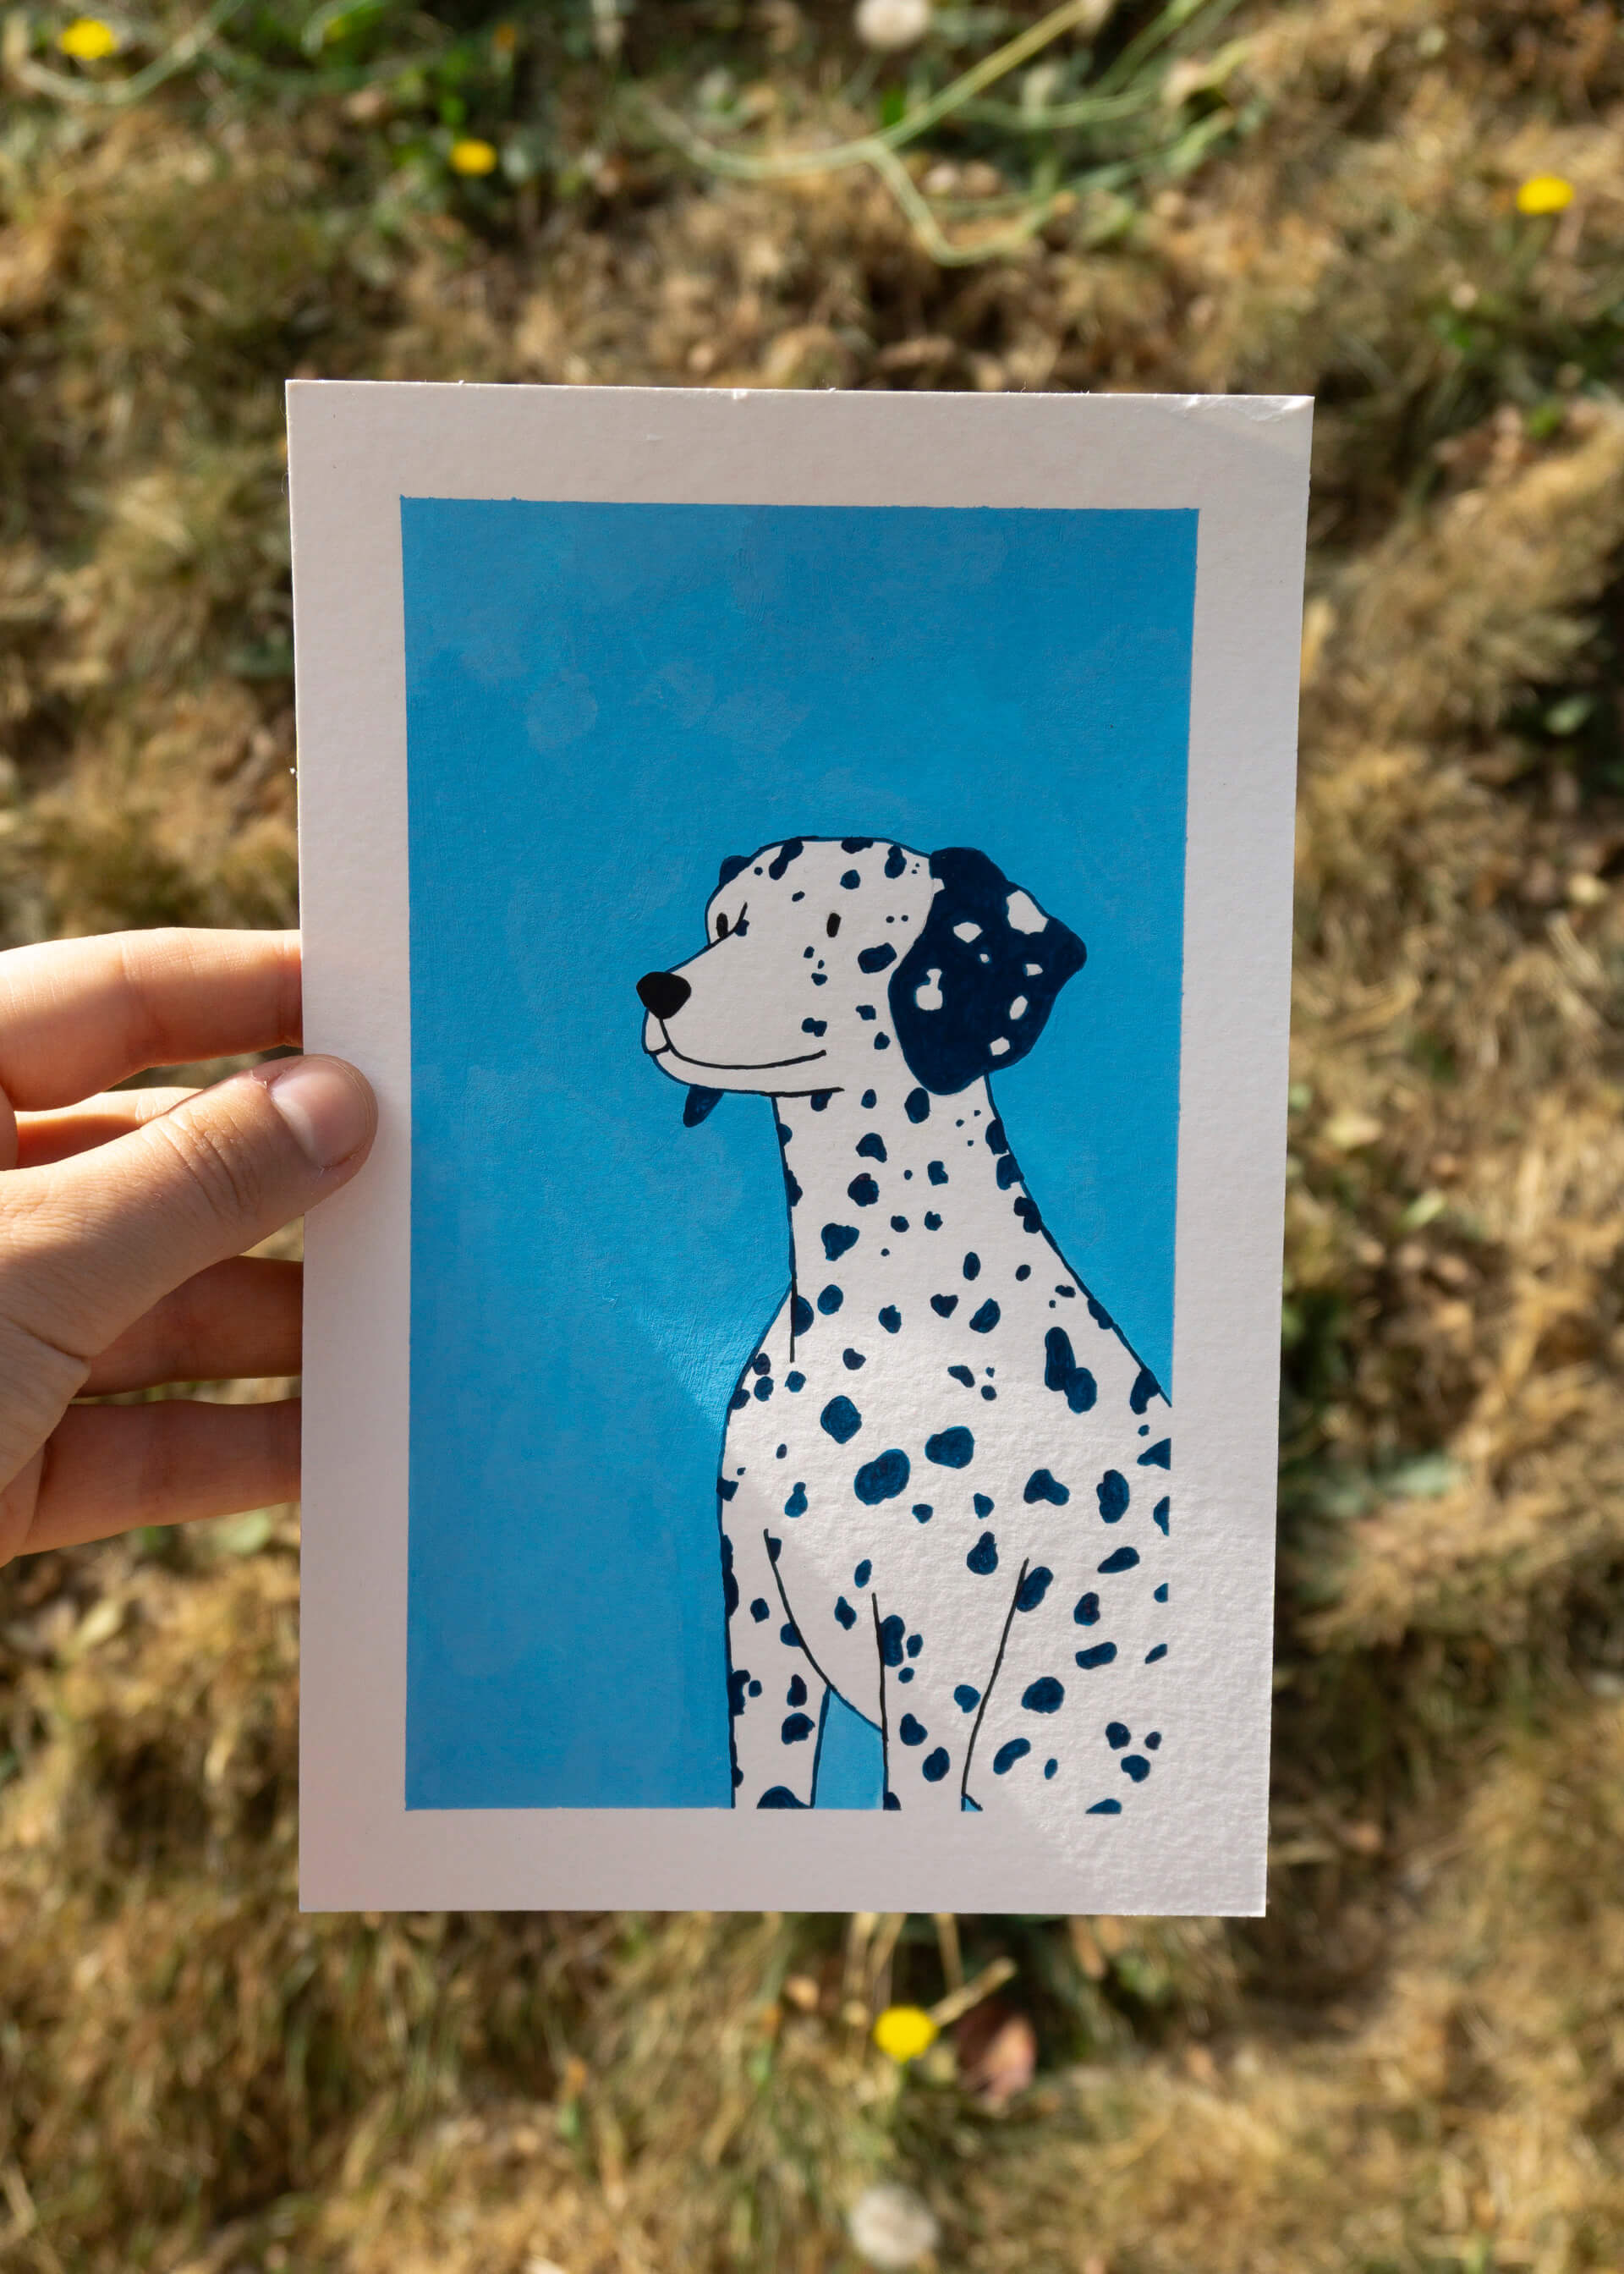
(734, 1066)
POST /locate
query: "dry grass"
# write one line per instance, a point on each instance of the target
(1416, 2062)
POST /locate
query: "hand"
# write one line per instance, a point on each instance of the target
(123, 1218)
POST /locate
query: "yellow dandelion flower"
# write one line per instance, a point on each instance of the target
(89, 40)
(1545, 193)
(903, 2032)
(472, 156)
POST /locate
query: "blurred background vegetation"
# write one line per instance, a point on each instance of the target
(1415, 210)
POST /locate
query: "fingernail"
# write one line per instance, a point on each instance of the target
(324, 1103)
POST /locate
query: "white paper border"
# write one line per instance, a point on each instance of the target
(356, 448)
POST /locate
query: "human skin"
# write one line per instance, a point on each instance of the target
(125, 1217)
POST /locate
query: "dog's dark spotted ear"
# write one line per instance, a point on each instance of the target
(731, 866)
(975, 990)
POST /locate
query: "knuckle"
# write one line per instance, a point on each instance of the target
(223, 1165)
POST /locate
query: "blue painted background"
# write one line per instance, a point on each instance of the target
(602, 701)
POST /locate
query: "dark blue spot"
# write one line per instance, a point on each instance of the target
(852, 1359)
(727, 1486)
(944, 1306)
(890, 1640)
(1144, 1390)
(1134, 1765)
(872, 1147)
(738, 1682)
(898, 1223)
(882, 1477)
(820, 979)
(779, 1795)
(989, 1395)
(1087, 1611)
(1042, 1485)
(965, 1698)
(841, 1419)
(789, 1637)
(933, 1221)
(875, 959)
(906, 1674)
(756, 1690)
(882, 1042)
(1161, 1513)
(796, 1694)
(973, 1265)
(950, 1449)
(1101, 1655)
(797, 1381)
(912, 1732)
(851, 880)
(855, 844)
(896, 862)
(1007, 1755)
(1112, 1493)
(698, 1104)
(1101, 1316)
(1023, 1271)
(1043, 1696)
(1062, 1372)
(763, 1389)
(1159, 1456)
(732, 864)
(997, 1141)
(844, 1611)
(983, 1557)
(1121, 1559)
(864, 1191)
(986, 1319)
(1026, 1209)
(1066, 1291)
(916, 1105)
(837, 1239)
(983, 1503)
(916, 1642)
(819, 1098)
(730, 1585)
(1117, 1733)
(1152, 1740)
(1162, 1592)
(796, 1504)
(962, 1373)
(792, 1186)
(758, 1609)
(923, 1511)
(1151, 1656)
(860, 1577)
(800, 1314)
(936, 1173)
(830, 1301)
(892, 1801)
(790, 850)
(814, 1026)
(739, 1398)
(934, 1765)
(1033, 1588)
(762, 1363)
(797, 1728)
(891, 1319)
(869, 1101)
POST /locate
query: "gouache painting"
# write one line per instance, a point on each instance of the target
(801, 1327)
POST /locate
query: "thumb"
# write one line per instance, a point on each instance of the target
(98, 1238)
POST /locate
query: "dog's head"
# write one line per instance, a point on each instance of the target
(831, 962)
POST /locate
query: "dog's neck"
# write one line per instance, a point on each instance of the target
(940, 1173)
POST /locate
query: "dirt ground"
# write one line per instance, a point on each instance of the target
(1416, 2061)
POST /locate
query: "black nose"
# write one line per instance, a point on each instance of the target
(663, 992)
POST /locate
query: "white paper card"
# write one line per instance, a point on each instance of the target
(809, 876)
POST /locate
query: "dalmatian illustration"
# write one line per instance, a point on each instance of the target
(945, 1482)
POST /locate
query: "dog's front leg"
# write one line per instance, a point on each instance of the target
(775, 1692)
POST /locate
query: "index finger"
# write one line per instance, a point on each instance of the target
(77, 1015)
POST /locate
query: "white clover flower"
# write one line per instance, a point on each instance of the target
(889, 25)
(892, 2227)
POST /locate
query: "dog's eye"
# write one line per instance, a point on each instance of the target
(832, 926)
(721, 927)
